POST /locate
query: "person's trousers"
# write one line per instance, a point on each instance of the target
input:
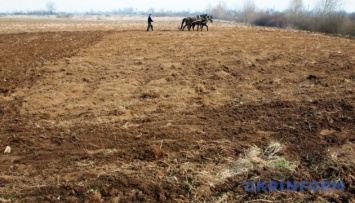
(149, 26)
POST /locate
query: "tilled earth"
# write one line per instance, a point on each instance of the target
(123, 115)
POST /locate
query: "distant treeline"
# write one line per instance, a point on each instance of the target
(126, 11)
(325, 17)
(332, 23)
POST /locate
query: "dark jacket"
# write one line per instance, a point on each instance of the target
(150, 20)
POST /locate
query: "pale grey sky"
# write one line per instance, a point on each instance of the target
(144, 5)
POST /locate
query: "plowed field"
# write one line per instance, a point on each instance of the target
(103, 111)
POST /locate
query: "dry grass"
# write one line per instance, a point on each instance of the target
(255, 157)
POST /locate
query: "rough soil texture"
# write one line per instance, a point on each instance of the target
(121, 115)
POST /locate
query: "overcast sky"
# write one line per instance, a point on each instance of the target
(144, 5)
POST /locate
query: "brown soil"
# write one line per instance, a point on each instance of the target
(129, 116)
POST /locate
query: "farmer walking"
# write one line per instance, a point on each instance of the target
(150, 23)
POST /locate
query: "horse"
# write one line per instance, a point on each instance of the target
(200, 20)
(202, 23)
(188, 22)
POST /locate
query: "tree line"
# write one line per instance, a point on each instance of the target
(326, 16)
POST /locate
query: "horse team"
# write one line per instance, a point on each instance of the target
(200, 21)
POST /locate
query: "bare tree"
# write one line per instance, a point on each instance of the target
(248, 11)
(209, 8)
(296, 7)
(50, 7)
(221, 10)
(325, 7)
(352, 16)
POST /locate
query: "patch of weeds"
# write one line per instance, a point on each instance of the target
(272, 149)
(93, 195)
(282, 163)
(243, 165)
(254, 151)
(256, 158)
